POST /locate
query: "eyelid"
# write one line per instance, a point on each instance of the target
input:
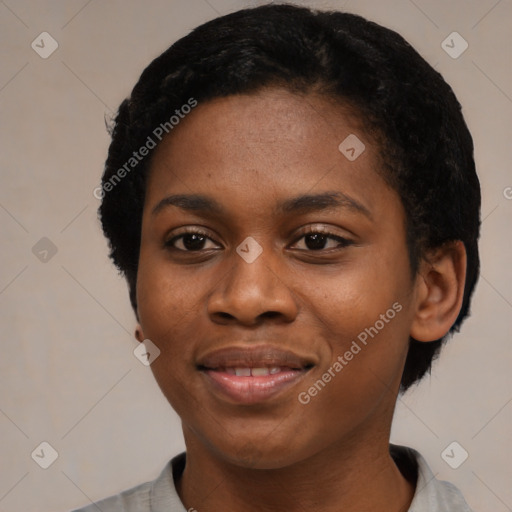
(324, 230)
(316, 228)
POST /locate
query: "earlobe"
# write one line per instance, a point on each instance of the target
(440, 290)
(139, 334)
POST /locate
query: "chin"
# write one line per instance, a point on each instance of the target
(263, 452)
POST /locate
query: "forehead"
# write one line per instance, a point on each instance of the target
(271, 145)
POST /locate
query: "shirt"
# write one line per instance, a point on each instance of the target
(431, 495)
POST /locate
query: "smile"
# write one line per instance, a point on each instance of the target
(252, 375)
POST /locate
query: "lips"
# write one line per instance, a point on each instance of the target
(250, 375)
(254, 357)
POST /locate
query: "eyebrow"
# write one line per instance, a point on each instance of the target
(327, 200)
(190, 202)
(306, 203)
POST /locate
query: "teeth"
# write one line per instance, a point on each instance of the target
(258, 372)
(254, 372)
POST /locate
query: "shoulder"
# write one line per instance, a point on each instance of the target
(134, 499)
(159, 494)
(431, 495)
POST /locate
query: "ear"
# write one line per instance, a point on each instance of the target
(139, 334)
(439, 291)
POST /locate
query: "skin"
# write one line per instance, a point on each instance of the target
(249, 153)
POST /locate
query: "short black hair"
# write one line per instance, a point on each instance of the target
(425, 145)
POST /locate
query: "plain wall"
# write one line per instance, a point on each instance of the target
(67, 372)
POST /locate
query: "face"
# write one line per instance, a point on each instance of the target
(274, 278)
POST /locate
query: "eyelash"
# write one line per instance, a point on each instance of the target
(343, 242)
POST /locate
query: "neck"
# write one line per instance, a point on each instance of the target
(353, 476)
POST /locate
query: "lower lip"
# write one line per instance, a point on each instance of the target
(252, 390)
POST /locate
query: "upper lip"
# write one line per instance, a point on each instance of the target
(253, 357)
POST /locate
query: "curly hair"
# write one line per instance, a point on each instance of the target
(425, 145)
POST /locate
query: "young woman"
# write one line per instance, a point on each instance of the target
(292, 198)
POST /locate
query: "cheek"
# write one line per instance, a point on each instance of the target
(166, 296)
(349, 299)
(169, 306)
(364, 315)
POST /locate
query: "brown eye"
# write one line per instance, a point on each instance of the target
(193, 242)
(315, 241)
(190, 242)
(318, 241)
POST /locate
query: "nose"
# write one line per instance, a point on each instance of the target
(251, 293)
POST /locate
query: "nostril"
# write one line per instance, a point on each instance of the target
(270, 314)
(223, 314)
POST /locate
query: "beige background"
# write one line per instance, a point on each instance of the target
(68, 375)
